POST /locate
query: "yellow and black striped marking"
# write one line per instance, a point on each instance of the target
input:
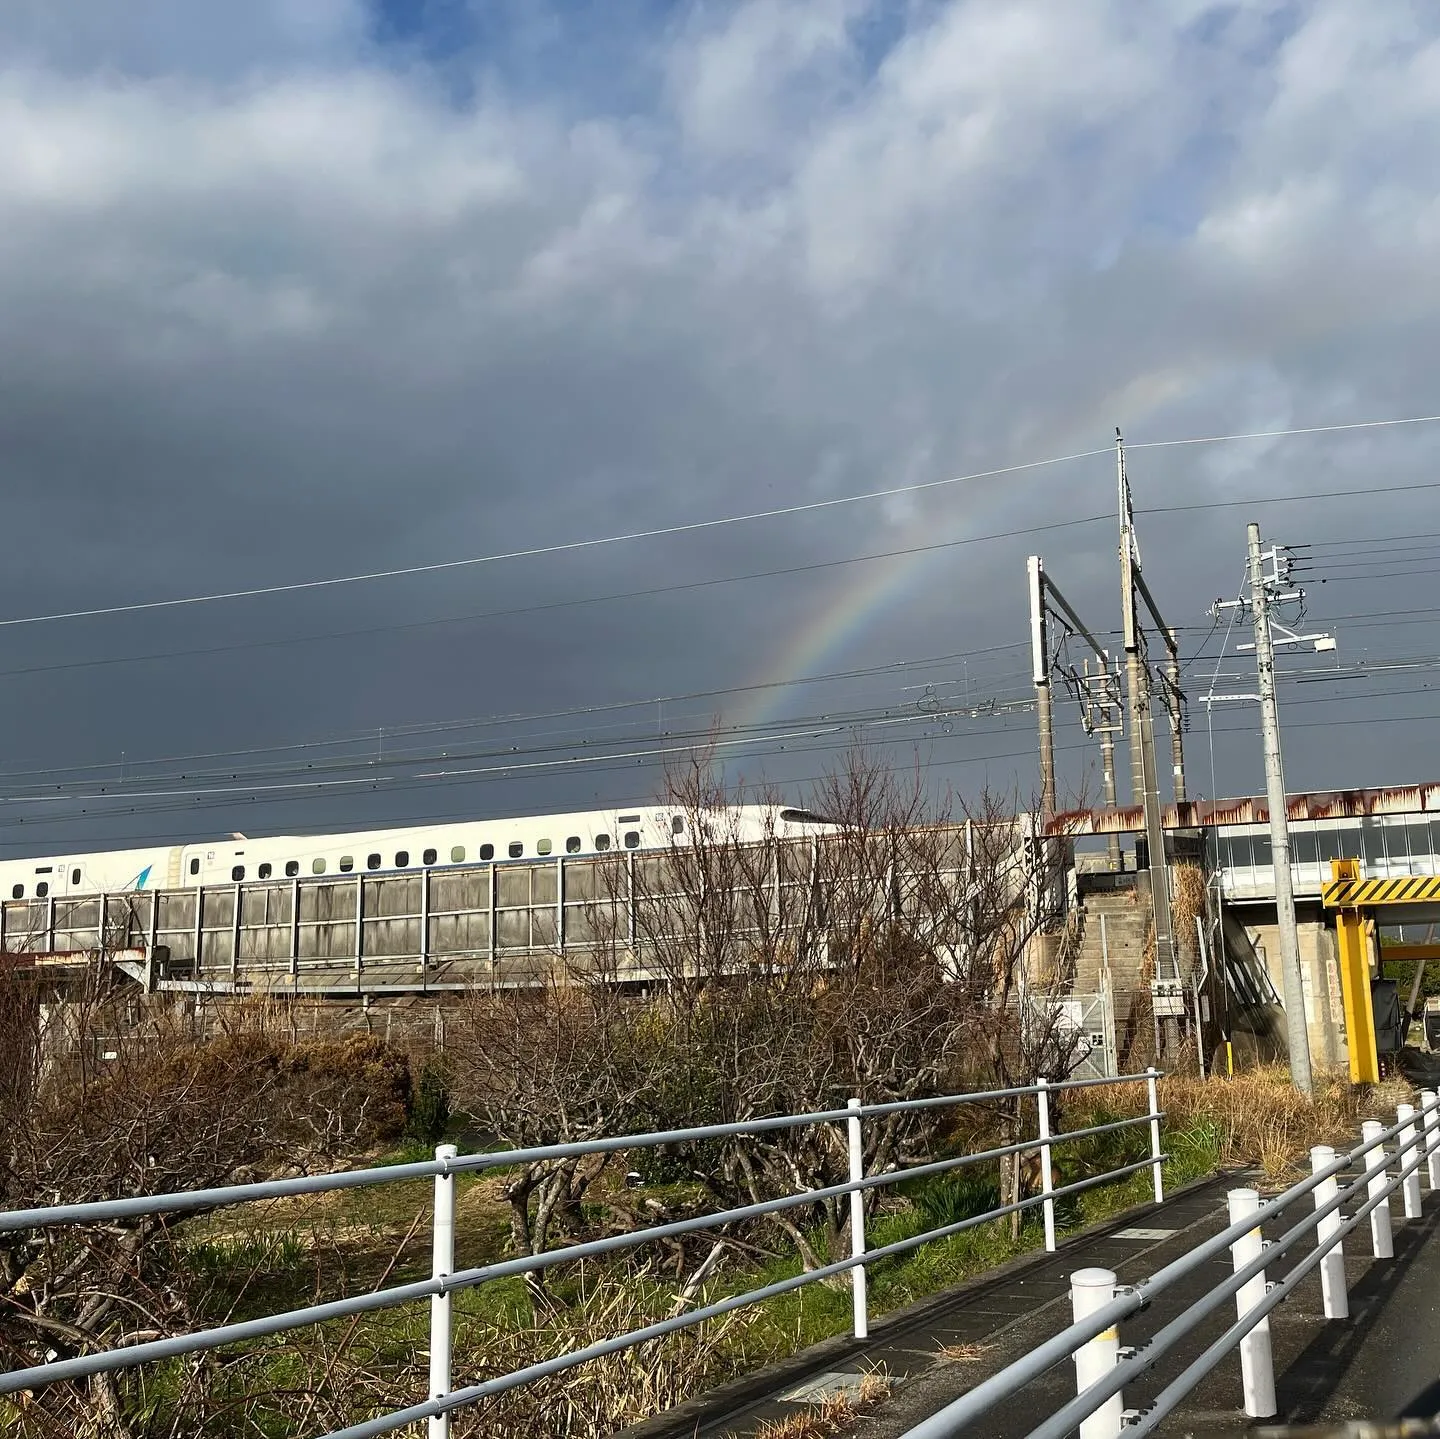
(1369, 893)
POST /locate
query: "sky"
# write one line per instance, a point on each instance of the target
(302, 289)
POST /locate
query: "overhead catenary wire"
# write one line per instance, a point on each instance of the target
(387, 766)
(499, 774)
(369, 734)
(833, 747)
(517, 760)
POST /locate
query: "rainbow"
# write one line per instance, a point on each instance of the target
(829, 628)
(813, 645)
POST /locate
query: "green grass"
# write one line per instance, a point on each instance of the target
(346, 1244)
(821, 1310)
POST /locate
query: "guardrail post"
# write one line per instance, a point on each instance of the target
(1092, 1289)
(1257, 1368)
(1430, 1125)
(1327, 1238)
(1152, 1075)
(1409, 1153)
(858, 1291)
(1047, 1178)
(442, 1265)
(1381, 1241)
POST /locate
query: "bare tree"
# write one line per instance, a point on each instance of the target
(888, 955)
(103, 1097)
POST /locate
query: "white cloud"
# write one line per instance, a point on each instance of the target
(742, 78)
(826, 261)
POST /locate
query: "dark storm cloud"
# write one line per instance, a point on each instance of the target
(283, 302)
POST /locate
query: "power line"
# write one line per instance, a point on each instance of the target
(563, 547)
(1306, 498)
(1366, 540)
(693, 526)
(1284, 434)
(510, 611)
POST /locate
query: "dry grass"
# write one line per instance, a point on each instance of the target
(965, 1353)
(1259, 1118)
(834, 1416)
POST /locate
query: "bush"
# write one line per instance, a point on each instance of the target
(430, 1109)
(361, 1075)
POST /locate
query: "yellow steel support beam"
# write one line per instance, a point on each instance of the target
(1408, 953)
(1352, 941)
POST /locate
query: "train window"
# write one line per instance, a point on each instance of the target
(677, 824)
(457, 854)
(517, 848)
(74, 876)
(195, 865)
(317, 866)
(602, 841)
(237, 873)
(542, 846)
(42, 889)
(402, 858)
(292, 868)
(347, 863)
(632, 838)
(372, 861)
(572, 845)
(487, 851)
(265, 871)
(429, 857)
(18, 892)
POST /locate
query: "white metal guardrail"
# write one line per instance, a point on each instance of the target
(1104, 1369)
(446, 1281)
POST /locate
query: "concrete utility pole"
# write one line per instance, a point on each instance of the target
(1145, 783)
(1296, 1028)
(1044, 704)
(1177, 717)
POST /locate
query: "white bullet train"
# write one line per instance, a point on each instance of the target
(239, 859)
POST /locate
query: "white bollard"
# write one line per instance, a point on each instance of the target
(1152, 1075)
(1409, 1154)
(442, 1265)
(1092, 1289)
(1047, 1179)
(1257, 1368)
(859, 1292)
(1430, 1127)
(1381, 1242)
(1327, 1232)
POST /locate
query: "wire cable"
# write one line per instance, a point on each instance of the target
(1283, 434)
(563, 547)
(693, 526)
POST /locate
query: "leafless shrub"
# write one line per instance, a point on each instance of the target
(101, 1098)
